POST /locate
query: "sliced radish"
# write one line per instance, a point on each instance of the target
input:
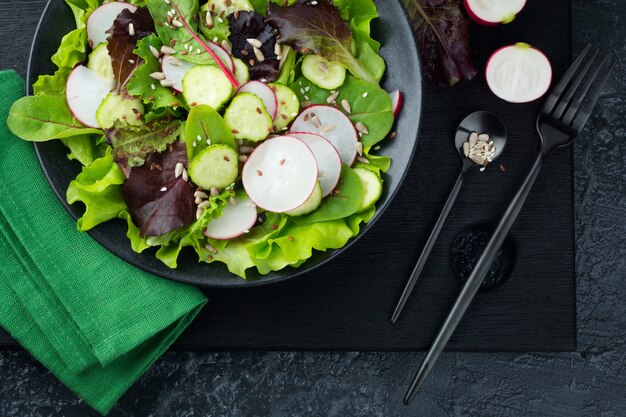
(518, 73)
(176, 72)
(494, 12)
(224, 56)
(265, 93)
(235, 220)
(85, 91)
(281, 174)
(333, 125)
(328, 160)
(397, 99)
(102, 19)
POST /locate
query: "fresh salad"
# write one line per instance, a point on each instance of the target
(246, 130)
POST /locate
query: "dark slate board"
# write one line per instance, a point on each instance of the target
(346, 304)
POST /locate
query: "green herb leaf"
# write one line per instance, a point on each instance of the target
(318, 29)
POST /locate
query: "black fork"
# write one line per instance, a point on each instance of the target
(561, 119)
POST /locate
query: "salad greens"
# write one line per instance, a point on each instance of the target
(136, 168)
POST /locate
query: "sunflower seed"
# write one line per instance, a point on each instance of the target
(477, 159)
(277, 49)
(466, 149)
(200, 194)
(361, 128)
(473, 138)
(158, 75)
(329, 128)
(322, 67)
(331, 98)
(209, 20)
(178, 170)
(155, 52)
(346, 106)
(255, 42)
(246, 150)
(227, 46)
(210, 248)
(167, 50)
(359, 148)
(173, 60)
(131, 29)
(177, 23)
(199, 213)
(167, 83)
(258, 54)
(363, 159)
(483, 137)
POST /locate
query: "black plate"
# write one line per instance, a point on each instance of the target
(400, 52)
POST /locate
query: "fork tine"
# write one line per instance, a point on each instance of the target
(566, 100)
(558, 90)
(575, 107)
(585, 113)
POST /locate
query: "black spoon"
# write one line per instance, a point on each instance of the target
(480, 122)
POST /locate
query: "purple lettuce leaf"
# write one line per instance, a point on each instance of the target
(443, 38)
(157, 201)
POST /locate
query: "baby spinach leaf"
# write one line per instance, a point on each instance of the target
(41, 118)
(370, 105)
(83, 148)
(157, 200)
(204, 124)
(317, 27)
(443, 36)
(121, 44)
(343, 202)
(144, 86)
(133, 145)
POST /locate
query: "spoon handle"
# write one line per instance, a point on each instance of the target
(430, 244)
(476, 278)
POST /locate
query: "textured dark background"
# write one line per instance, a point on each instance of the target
(591, 382)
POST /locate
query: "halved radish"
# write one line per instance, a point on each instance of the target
(102, 19)
(328, 160)
(84, 92)
(494, 12)
(397, 99)
(176, 71)
(235, 220)
(518, 73)
(265, 93)
(333, 125)
(281, 174)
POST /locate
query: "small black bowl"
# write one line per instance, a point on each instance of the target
(393, 29)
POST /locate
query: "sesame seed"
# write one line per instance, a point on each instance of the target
(219, 19)
(177, 23)
(393, 134)
(152, 86)
(365, 95)
(208, 142)
(198, 50)
(194, 144)
(199, 138)
(131, 61)
(377, 148)
(164, 189)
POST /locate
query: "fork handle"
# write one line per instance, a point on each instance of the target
(476, 278)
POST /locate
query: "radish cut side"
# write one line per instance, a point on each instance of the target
(518, 73)
(102, 19)
(265, 93)
(332, 124)
(280, 175)
(493, 12)
(328, 160)
(222, 55)
(235, 220)
(176, 73)
(84, 92)
(396, 102)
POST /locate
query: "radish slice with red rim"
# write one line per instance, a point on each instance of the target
(396, 102)
(493, 12)
(518, 73)
(85, 91)
(176, 72)
(224, 56)
(328, 160)
(102, 19)
(332, 124)
(280, 175)
(235, 220)
(265, 93)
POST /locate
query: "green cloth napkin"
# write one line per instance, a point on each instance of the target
(95, 321)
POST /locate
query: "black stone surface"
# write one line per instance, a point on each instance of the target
(590, 382)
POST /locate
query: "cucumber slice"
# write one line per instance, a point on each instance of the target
(323, 73)
(206, 84)
(226, 7)
(288, 106)
(115, 107)
(215, 166)
(310, 205)
(242, 73)
(100, 62)
(248, 118)
(372, 187)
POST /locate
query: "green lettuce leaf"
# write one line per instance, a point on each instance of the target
(84, 149)
(141, 84)
(98, 187)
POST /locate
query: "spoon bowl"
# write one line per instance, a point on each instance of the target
(482, 122)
